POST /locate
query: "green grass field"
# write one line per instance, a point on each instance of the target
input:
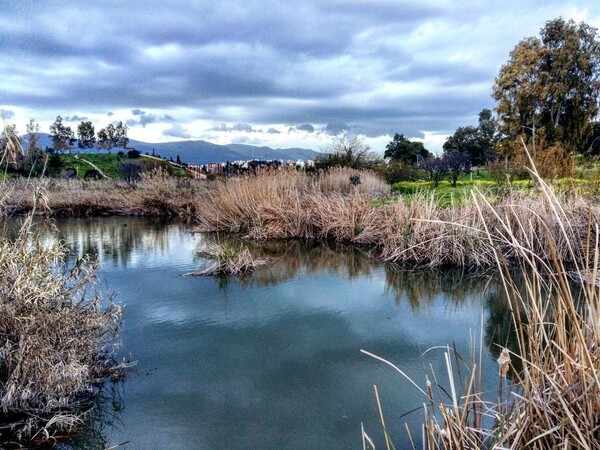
(110, 164)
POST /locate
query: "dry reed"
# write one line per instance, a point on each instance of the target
(228, 259)
(58, 340)
(414, 230)
(57, 335)
(551, 399)
(155, 194)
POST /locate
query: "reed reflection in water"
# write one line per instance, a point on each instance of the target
(273, 360)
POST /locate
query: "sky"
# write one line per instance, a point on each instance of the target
(289, 73)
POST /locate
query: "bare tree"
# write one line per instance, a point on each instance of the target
(342, 152)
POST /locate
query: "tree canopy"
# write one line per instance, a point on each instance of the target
(549, 86)
(62, 136)
(477, 142)
(405, 150)
(86, 137)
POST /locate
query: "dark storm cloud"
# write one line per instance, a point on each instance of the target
(145, 118)
(237, 127)
(377, 66)
(335, 128)
(306, 127)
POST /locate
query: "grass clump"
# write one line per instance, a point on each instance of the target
(57, 344)
(228, 259)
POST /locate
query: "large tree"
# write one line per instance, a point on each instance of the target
(405, 150)
(548, 89)
(345, 152)
(120, 137)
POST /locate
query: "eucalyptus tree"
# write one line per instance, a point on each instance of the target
(62, 136)
(548, 89)
(86, 135)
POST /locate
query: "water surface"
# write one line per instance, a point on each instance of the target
(273, 360)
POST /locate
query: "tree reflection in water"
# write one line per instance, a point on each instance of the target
(419, 288)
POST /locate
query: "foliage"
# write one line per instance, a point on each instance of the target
(133, 153)
(550, 86)
(395, 171)
(353, 153)
(406, 151)
(478, 142)
(86, 137)
(113, 136)
(62, 136)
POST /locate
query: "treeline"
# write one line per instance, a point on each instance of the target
(546, 98)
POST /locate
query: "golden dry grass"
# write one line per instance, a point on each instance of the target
(413, 230)
(551, 399)
(156, 194)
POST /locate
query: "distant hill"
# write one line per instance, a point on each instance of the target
(202, 152)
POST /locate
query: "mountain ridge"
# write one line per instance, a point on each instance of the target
(203, 152)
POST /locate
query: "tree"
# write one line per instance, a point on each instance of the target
(456, 162)
(478, 142)
(402, 149)
(33, 159)
(342, 152)
(62, 136)
(548, 89)
(436, 170)
(107, 137)
(86, 137)
(120, 138)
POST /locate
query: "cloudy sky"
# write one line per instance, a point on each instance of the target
(278, 73)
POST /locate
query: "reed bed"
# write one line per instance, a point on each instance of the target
(155, 194)
(58, 339)
(412, 230)
(548, 395)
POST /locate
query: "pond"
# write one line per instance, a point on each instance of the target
(273, 360)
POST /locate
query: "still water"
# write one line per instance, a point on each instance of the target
(272, 360)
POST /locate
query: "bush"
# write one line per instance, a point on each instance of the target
(133, 153)
(131, 172)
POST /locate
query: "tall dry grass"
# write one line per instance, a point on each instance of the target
(156, 193)
(58, 338)
(412, 230)
(549, 388)
(291, 204)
